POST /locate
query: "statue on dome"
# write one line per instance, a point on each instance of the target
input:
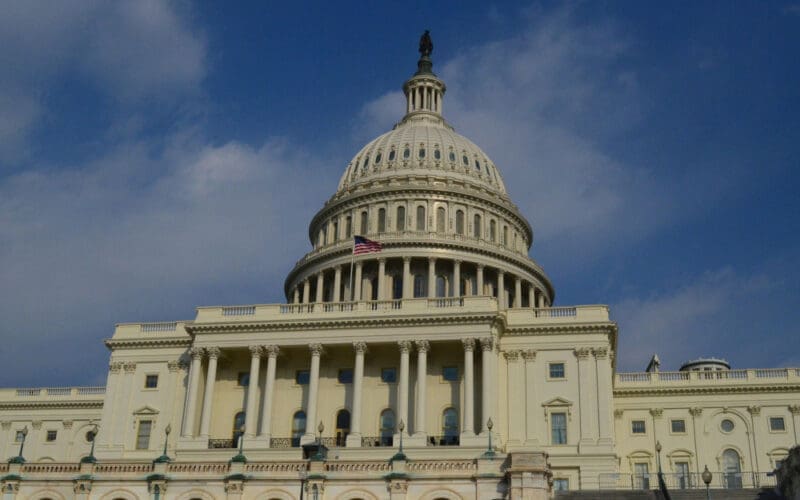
(425, 44)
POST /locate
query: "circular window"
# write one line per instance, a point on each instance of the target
(726, 425)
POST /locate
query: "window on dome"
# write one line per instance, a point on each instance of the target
(377, 158)
(391, 155)
(440, 219)
(406, 153)
(420, 218)
(505, 235)
(459, 222)
(401, 218)
(421, 153)
(465, 160)
(348, 226)
(366, 162)
(363, 228)
(477, 166)
(441, 286)
(492, 231)
(476, 226)
(336, 230)
(452, 156)
(486, 166)
(397, 286)
(420, 286)
(437, 155)
(381, 220)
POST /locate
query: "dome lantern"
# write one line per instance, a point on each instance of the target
(424, 91)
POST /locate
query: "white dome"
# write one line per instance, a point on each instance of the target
(422, 144)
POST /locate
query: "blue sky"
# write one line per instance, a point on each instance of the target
(159, 156)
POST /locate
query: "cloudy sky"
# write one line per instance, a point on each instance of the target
(157, 156)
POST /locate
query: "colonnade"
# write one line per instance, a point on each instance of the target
(508, 288)
(261, 428)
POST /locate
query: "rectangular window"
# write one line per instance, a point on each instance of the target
(556, 370)
(450, 373)
(143, 434)
(678, 426)
(777, 424)
(560, 484)
(558, 425)
(641, 476)
(682, 475)
(346, 376)
(388, 375)
(51, 436)
(637, 427)
(243, 379)
(302, 377)
(151, 381)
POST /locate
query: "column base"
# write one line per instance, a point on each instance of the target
(257, 442)
(353, 440)
(307, 439)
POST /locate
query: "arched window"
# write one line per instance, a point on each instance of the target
(381, 220)
(342, 427)
(363, 226)
(441, 286)
(420, 286)
(459, 222)
(298, 427)
(731, 469)
(238, 426)
(476, 226)
(440, 220)
(450, 426)
(505, 235)
(420, 218)
(387, 427)
(335, 231)
(492, 231)
(401, 218)
(348, 227)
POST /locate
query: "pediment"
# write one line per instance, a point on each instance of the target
(146, 410)
(557, 402)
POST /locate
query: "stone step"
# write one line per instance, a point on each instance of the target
(699, 494)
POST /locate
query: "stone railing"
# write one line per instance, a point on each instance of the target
(274, 467)
(46, 393)
(749, 376)
(443, 440)
(557, 315)
(51, 468)
(198, 468)
(692, 480)
(376, 441)
(382, 466)
(158, 327)
(439, 466)
(123, 468)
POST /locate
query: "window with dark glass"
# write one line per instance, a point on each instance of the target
(51, 436)
(558, 428)
(381, 220)
(298, 427)
(638, 427)
(465, 160)
(450, 426)
(243, 379)
(421, 153)
(678, 426)
(301, 377)
(342, 427)
(377, 158)
(406, 153)
(363, 227)
(387, 427)
(450, 373)
(346, 376)
(150, 381)
(560, 484)
(238, 427)
(401, 218)
(777, 424)
(459, 222)
(420, 286)
(143, 434)
(420, 218)
(397, 286)
(437, 154)
(441, 286)
(556, 370)
(19, 436)
(505, 235)
(388, 375)
(441, 217)
(391, 155)
(452, 156)
(476, 226)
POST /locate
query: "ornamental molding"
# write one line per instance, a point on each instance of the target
(794, 409)
(175, 365)
(316, 349)
(129, 367)
(487, 343)
(114, 344)
(582, 353)
(754, 410)
(42, 405)
(234, 486)
(255, 351)
(272, 351)
(512, 356)
(656, 412)
(600, 352)
(213, 352)
(5, 425)
(67, 424)
(469, 345)
(82, 486)
(36, 425)
(529, 354)
(115, 366)
(404, 346)
(696, 411)
(560, 329)
(742, 389)
(618, 413)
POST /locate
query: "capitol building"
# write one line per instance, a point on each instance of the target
(432, 363)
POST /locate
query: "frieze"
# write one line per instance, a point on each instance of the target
(600, 353)
(742, 389)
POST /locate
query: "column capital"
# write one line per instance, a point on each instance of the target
(271, 351)
(600, 353)
(174, 366)
(431, 259)
(512, 356)
(255, 351)
(115, 366)
(582, 353)
(529, 354)
(129, 366)
(500, 272)
(458, 261)
(360, 346)
(196, 352)
(405, 345)
(656, 412)
(316, 349)
(754, 410)
(469, 344)
(337, 267)
(382, 260)
(487, 343)
(422, 345)
(213, 352)
(794, 409)
(479, 266)
(406, 259)
(696, 411)
(618, 413)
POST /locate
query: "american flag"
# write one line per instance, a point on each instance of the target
(363, 245)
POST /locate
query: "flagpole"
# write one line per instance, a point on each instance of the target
(352, 260)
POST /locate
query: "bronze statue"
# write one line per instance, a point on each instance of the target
(425, 44)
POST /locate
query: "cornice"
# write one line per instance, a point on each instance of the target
(726, 389)
(140, 343)
(559, 329)
(344, 323)
(44, 405)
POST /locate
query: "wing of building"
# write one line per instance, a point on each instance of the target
(432, 365)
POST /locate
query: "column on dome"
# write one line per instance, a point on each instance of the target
(408, 281)
(517, 291)
(469, 389)
(402, 387)
(588, 412)
(337, 284)
(541, 302)
(457, 278)
(313, 390)
(320, 286)
(382, 279)
(306, 291)
(208, 395)
(501, 289)
(190, 409)
(354, 438)
(479, 279)
(431, 277)
(356, 295)
(487, 344)
(250, 417)
(531, 296)
(272, 352)
(422, 379)
(296, 296)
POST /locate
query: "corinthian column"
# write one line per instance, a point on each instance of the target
(422, 380)
(354, 438)
(486, 381)
(431, 277)
(337, 284)
(252, 388)
(402, 387)
(501, 290)
(313, 389)
(208, 396)
(457, 278)
(269, 389)
(408, 281)
(469, 390)
(381, 279)
(191, 391)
